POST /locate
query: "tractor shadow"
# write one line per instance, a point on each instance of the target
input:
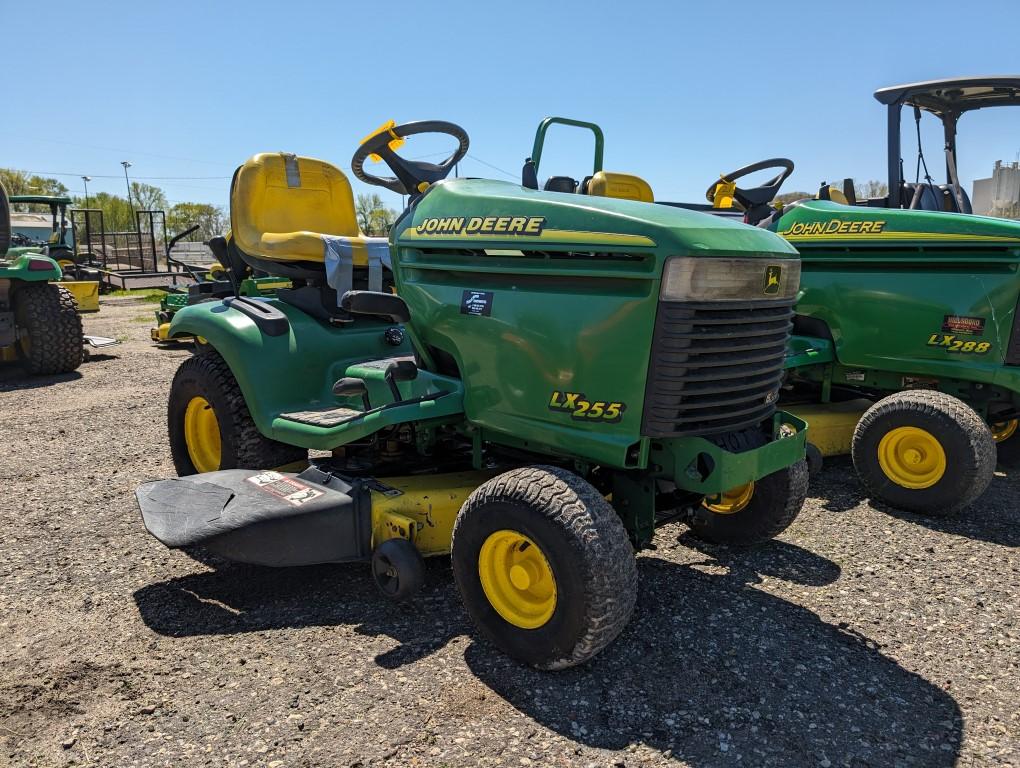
(993, 518)
(236, 598)
(713, 671)
(13, 377)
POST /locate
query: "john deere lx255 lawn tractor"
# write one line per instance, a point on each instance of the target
(906, 347)
(559, 374)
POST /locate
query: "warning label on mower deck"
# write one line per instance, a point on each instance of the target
(286, 488)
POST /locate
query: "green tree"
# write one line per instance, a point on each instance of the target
(789, 197)
(22, 183)
(210, 219)
(118, 215)
(147, 197)
(868, 189)
(374, 218)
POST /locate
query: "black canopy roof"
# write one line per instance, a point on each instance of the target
(955, 94)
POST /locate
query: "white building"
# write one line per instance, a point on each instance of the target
(1000, 193)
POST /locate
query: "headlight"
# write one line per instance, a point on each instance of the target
(687, 278)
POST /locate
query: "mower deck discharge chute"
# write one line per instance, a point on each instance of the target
(906, 346)
(562, 371)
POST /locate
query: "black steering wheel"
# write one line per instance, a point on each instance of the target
(411, 177)
(757, 196)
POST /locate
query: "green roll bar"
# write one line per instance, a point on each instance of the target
(536, 151)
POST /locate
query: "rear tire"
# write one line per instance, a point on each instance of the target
(560, 579)
(924, 451)
(773, 505)
(205, 383)
(49, 315)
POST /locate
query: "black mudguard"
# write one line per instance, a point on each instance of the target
(262, 517)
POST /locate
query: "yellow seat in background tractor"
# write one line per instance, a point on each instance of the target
(623, 186)
(284, 207)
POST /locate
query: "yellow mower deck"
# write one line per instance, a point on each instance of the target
(832, 424)
(85, 292)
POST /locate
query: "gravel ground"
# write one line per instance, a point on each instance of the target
(860, 638)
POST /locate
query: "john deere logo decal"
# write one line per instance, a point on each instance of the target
(773, 275)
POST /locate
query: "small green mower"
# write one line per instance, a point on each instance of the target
(560, 371)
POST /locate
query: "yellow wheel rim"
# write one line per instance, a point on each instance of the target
(1004, 430)
(202, 435)
(731, 501)
(912, 457)
(517, 579)
(216, 271)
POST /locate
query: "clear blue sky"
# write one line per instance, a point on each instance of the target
(684, 91)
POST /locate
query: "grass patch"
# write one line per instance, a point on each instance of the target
(143, 319)
(149, 295)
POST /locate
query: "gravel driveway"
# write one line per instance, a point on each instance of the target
(860, 638)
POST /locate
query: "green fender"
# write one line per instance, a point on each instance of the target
(30, 266)
(291, 372)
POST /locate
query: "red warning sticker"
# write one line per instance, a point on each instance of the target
(972, 326)
(286, 488)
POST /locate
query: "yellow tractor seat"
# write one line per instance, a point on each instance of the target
(624, 186)
(286, 208)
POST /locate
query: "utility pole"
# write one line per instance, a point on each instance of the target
(87, 179)
(127, 183)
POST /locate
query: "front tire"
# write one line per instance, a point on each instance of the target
(52, 339)
(209, 424)
(544, 566)
(924, 451)
(755, 513)
(1007, 443)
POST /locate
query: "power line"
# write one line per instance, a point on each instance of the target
(494, 167)
(112, 149)
(117, 176)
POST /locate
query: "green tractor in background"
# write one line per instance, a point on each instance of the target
(906, 346)
(563, 370)
(39, 320)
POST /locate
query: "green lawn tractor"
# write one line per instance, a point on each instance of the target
(556, 375)
(39, 320)
(77, 277)
(210, 283)
(906, 346)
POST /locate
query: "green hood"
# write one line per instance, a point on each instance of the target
(822, 222)
(498, 214)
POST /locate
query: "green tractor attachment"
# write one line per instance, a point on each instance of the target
(906, 346)
(560, 371)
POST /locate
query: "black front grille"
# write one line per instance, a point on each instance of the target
(715, 366)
